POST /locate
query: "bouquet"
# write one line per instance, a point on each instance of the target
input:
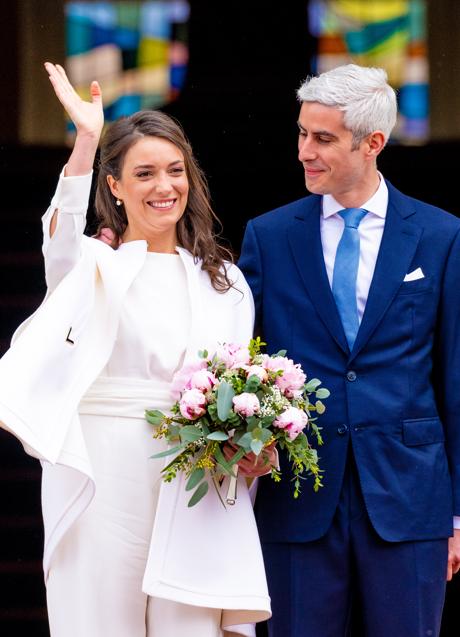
(249, 399)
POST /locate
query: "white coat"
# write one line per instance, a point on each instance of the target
(205, 555)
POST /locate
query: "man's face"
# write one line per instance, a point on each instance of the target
(325, 150)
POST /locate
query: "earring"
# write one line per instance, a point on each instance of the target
(118, 202)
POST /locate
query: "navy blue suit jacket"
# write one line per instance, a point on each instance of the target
(396, 396)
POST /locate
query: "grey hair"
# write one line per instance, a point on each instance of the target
(363, 95)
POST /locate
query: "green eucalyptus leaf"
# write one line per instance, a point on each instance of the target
(245, 441)
(167, 452)
(154, 417)
(222, 461)
(199, 493)
(257, 446)
(217, 435)
(195, 477)
(190, 433)
(225, 394)
(252, 384)
(312, 384)
(320, 408)
(265, 435)
(322, 392)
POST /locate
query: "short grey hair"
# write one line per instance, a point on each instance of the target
(363, 94)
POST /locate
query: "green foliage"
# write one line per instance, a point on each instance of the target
(252, 384)
(190, 433)
(217, 435)
(154, 417)
(255, 345)
(195, 477)
(199, 494)
(313, 384)
(225, 394)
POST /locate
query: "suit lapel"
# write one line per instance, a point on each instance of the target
(399, 243)
(305, 241)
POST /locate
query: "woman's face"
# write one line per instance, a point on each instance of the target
(153, 188)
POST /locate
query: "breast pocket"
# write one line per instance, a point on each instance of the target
(416, 287)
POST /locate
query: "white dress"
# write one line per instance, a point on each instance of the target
(100, 563)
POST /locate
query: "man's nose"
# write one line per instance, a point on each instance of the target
(306, 149)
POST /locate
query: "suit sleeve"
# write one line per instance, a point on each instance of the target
(447, 365)
(250, 263)
(62, 250)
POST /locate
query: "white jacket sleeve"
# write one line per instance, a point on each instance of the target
(62, 250)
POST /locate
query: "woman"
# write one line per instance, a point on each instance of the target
(124, 556)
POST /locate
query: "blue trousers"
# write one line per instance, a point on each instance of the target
(395, 589)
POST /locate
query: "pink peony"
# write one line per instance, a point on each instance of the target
(233, 355)
(181, 379)
(202, 380)
(257, 370)
(192, 404)
(291, 380)
(246, 404)
(293, 420)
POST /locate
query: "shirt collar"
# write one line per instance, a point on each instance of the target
(377, 204)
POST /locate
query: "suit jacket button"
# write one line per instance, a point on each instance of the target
(351, 375)
(342, 430)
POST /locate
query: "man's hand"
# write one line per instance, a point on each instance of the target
(453, 560)
(250, 465)
(106, 236)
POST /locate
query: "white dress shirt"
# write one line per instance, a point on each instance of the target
(370, 234)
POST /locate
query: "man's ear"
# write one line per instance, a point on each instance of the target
(375, 143)
(113, 185)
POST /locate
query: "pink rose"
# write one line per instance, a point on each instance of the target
(192, 404)
(257, 370)
(181, 379)
(233, 355)
(293, 420)
(202, 380)
(246, 404)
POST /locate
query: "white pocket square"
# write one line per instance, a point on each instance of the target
(413, 276)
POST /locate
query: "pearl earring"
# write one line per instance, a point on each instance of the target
(118, 202)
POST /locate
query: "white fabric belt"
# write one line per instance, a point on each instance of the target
(125, 397)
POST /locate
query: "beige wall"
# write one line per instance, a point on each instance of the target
(444, 54)
(41, 37)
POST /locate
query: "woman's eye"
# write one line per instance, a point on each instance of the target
(143, 174)
(177, 171)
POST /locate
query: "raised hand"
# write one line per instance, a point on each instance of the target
(88, 117)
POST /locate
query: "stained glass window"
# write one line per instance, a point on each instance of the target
(386, 33)
(136, 50)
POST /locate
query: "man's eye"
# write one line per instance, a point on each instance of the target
(302, 133)
(324, 140)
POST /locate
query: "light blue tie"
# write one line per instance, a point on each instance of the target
(346, 271)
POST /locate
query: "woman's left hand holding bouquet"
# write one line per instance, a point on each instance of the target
(88, 118)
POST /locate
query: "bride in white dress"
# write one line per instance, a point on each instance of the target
(124, 556)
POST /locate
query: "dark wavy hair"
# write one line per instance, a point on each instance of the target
(195, 229)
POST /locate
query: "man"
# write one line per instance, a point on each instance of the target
(360, 284)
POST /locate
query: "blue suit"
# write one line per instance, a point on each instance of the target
(392, 424)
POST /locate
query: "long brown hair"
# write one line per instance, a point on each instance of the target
(195, 229)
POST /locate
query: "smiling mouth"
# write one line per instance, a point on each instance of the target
(164, 204)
